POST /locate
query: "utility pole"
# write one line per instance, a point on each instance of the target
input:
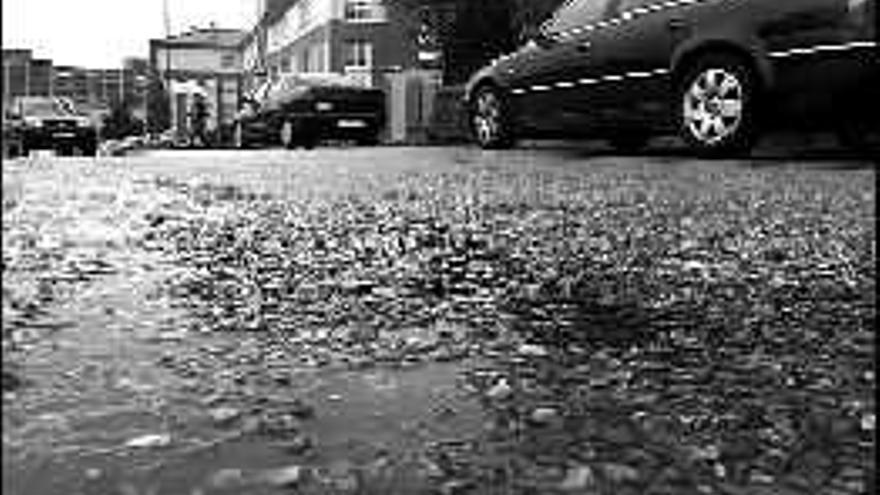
(167, 20)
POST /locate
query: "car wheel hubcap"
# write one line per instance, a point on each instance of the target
(487, 117)
(713, 105)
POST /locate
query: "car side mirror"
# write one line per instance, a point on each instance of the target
(535, 36)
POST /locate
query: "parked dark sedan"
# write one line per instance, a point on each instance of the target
(303, 109)
(717, 72)
(53, 123)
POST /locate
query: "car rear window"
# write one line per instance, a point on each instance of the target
(46, 106)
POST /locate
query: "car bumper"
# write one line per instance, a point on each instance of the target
(344, 126)
(339, 125)
(36, 138)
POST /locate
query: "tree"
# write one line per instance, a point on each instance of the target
(158, 105)
(470, 33)
(121, 122)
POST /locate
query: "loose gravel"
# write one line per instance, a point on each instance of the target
(646, 327)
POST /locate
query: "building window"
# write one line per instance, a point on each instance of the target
(358, 53)
(304, 61)
(316, 57)
(305, 14)
(227, 60)
(364, 10)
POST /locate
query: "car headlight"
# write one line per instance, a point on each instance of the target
(33, 122)
(324, 106)
(83, 122)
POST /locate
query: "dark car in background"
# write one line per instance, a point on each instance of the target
(304, 109)
(52, 123)
(716, 72)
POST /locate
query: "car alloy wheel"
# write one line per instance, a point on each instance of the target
(716, 105)
(488, 120)
(287, 138)
(89, 148)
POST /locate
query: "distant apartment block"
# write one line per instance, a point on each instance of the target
(361, 38)
(207, 60)
(89, 88)
(24, 75)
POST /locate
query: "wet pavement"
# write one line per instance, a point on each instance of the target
(424, 320)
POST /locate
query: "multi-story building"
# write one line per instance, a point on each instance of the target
(206, 61)
(361, 38)
(72, 82)
(40, 78)
(24, 75)
(16, 66)
(376, 43)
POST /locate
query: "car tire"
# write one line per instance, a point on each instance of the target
(857, 136)
(629, 142)
(490, 122)
(716, 104)
(14, 149)
(370, 140)
(89, 148)
(288, 135)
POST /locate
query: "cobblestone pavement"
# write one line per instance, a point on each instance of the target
(438, 320)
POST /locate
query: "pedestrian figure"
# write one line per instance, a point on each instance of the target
(199, 119)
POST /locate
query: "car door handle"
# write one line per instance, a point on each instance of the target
(676, 24)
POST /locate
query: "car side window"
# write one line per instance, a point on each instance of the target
(576, 14)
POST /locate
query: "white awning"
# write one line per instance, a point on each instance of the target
(188, 87)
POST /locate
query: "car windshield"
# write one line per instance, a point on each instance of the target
(46, 106)
(314, 79)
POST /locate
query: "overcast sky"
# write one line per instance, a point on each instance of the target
(100, 33)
